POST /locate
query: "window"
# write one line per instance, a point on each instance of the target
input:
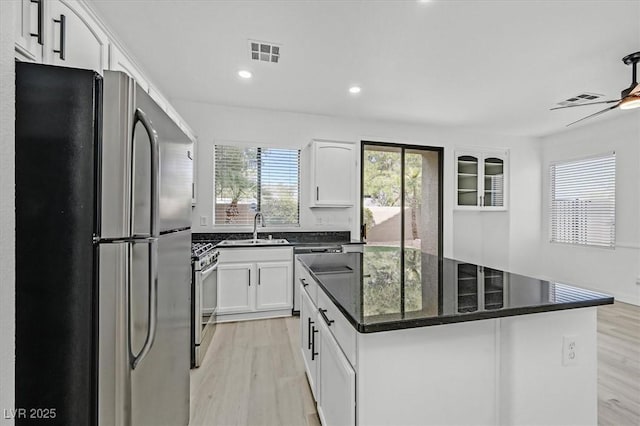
(583, 201)
(248, 180)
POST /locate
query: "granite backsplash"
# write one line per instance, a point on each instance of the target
(301, 237)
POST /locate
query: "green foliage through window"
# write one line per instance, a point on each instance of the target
(248, 180)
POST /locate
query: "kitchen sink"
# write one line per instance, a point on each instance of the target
(251, 241)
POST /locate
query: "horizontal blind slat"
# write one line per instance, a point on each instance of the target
(582, 207)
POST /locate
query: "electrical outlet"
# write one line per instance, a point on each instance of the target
(570, 348)
(203, 221)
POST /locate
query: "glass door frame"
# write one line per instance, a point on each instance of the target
(403, 148)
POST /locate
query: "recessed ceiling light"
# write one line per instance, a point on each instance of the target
(354, 89)
(245, 74)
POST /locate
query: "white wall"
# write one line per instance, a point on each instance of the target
(614, 271)
(221, 124)
(7, 207)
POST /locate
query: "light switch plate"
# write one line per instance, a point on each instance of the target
(203, 221)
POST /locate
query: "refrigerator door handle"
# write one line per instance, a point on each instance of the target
(153, 242)
(152, 300)
(155, 170)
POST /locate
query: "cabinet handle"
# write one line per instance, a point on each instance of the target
(63, 30)
(309, 333)
(313, 343)
(304, 283)
(249, 269)
(324, 316)
(259, 270)
(40, 32)
(317, 193)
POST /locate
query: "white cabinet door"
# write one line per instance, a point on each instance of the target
(337, 382)
(274, 286)
(333, 165)
(74, 40)
(235, 288)
(309, 339)
(29, 30)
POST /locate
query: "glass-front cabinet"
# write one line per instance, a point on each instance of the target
(481, 180)
(479, 288)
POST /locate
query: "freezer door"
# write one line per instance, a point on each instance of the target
(160, 382)
(176, 171)
(126, 173)
(116, 155)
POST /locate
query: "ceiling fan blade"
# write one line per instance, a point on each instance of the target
(635, 90)
(590, 103)
(594, 114)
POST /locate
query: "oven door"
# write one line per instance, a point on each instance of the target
(206, 306)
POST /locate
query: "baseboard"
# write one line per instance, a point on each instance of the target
(247, 316)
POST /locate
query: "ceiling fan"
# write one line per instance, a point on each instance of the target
(629, 97)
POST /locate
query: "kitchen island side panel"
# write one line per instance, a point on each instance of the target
(537, 385)
(506, 371)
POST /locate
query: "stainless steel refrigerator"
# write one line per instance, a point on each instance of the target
(103, 238)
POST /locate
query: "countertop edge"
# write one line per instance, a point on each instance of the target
(451, 319)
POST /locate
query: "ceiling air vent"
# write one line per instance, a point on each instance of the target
(580, 99)
(264, 51)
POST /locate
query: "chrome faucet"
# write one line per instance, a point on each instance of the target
(255, 224)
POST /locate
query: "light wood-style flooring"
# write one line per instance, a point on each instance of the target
(619, 365)
(253, 373)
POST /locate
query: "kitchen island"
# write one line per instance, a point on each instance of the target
(416, 339)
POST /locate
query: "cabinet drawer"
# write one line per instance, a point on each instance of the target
(309, 284)
(343, 332)
(255, 254)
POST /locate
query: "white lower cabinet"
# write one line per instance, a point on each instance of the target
(234, 288)
(309, 340)
(274, 286)
(337, 382)
(251, 281)
(331, 377)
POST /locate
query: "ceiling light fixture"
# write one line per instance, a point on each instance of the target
(354, 90)
(245, 74)
(630, 102)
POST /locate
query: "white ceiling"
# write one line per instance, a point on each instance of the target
(495, 66)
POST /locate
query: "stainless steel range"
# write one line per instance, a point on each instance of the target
(203, 299)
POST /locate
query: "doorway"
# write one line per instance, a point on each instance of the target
(401, 217)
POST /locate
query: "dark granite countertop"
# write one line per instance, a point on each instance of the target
(369, 290)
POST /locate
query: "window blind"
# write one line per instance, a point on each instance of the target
(248, 180)
(583, 201)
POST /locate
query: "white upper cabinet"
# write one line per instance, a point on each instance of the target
(481, 180)
(332, 174)
(30, 30)
(74, 39)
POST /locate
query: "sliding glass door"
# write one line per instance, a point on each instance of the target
(401, 211)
